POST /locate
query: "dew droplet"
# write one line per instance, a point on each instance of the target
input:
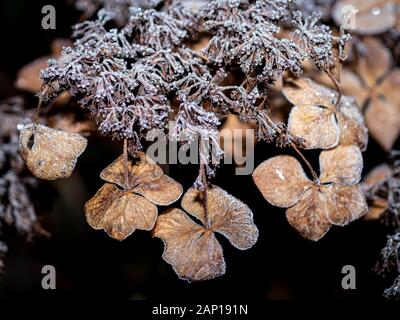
(376, 11)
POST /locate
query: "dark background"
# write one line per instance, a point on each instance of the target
(89, 264)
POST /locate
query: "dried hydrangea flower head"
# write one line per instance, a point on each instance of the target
(50, 154)
(128, 200)
(372, 16)
(335, 198)
(192, 248)
(319, 120)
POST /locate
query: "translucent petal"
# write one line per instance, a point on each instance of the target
(143, 170)
(383, 121)
(390, 88)
(317, 126)
(226, 215)
(353, 130)
(50, 154)
(376, 63)
(119, 212)
(309, 216)
(281, 180)
(304, 91)
(193, 251)
(162, 191)
(342, 165)
(344, 204)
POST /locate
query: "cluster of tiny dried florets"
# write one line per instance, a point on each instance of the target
(126, 76)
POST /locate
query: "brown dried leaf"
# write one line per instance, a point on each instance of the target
(143, 170)
(281, 180)
(162, 191)
(316, 125)
(119, 212)
(193, 251)
(383, 121)
(342, 165)
(50, 154)
(226, 215)
(373, 16)
(308, 216)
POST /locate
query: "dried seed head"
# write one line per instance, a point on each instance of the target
(192, 249)
(50, 154)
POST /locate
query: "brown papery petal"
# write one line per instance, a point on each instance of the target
(119, 212)
(281, 180)
(304, 91)
(142, 170)
(226, 215)
(383, 121)
(353, 130)
(342, 165)
(344, 204)
(373, 16)
(376, 62)
(316, 125)
(163, 191)
(309, 216)
(28, 78)
(193, 251)
(50, 154)
(390, 88)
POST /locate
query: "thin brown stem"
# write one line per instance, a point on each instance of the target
(313, 173)
(205, 194)
(338, 87)
(126, 169)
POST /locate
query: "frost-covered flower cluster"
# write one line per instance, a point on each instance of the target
(128, 76)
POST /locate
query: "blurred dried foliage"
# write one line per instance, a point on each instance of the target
(17, 209)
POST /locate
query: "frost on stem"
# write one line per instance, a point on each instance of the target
(317, 41)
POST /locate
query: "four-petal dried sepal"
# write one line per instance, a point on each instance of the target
(335, 198)
(120, 207)
(192, 249)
